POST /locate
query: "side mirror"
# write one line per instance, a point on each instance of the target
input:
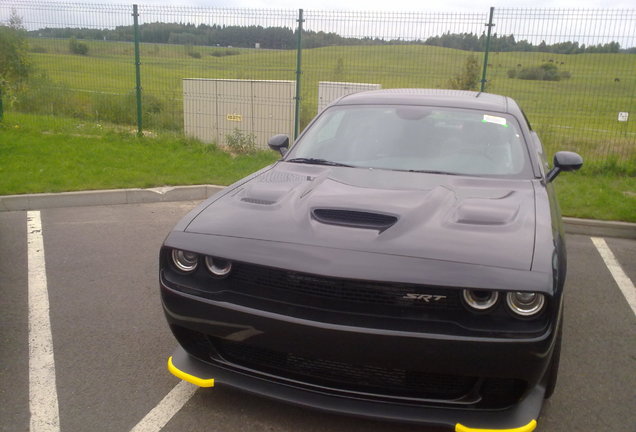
(279, 143)
(564, 161)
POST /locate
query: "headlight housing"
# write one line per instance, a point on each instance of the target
(218, 267)
(480, 300)
(184, 261)
(525, 303)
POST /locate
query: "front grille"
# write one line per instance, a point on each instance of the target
(377, 304)
(392, 299)
(345, 376)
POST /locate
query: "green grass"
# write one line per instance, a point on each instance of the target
(579, 113)
(590, 196)
(42, 154)
(57, 154)
(53, 154)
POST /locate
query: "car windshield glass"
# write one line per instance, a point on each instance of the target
(417, 138)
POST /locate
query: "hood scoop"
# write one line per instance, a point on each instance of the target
(477, 211)
(258, 201)
(354, 218)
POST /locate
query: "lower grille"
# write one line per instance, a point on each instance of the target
(378, 382)
(345, 376)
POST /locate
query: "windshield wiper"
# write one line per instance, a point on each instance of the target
(433, 172)
(314, 161)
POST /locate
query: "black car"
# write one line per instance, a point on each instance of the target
(404, 260)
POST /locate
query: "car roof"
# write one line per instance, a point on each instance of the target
(430, 97)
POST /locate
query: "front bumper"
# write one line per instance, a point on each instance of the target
(520, 418)
(518, 359)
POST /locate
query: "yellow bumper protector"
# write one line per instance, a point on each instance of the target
(189, 378)
(527, 428)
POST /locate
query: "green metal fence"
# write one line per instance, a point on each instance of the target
(597, 81)
(152, 67)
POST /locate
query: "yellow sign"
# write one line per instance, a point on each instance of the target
(234, 117)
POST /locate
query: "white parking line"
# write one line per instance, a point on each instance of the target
(45, 416)
(622, 280)
(160, 415)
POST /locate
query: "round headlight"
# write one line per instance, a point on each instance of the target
(186, 262)
(525, 303)
(479, 299)
(218, 267)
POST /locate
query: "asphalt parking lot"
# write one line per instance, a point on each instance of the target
(111, 342)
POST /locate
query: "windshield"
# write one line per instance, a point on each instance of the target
(415, 138)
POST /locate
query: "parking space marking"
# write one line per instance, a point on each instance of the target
(622, 280)
(43, 404)
(160, 415)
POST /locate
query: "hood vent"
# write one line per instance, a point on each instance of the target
(355, 219)
(258, 201)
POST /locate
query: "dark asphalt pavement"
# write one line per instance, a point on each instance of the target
(111, 341)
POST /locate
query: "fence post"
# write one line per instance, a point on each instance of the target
(299, 52)
(137, 72)
(490, 25)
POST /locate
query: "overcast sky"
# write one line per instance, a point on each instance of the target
(384, 5)
(588, 28)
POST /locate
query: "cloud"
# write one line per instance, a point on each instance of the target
(382, 5)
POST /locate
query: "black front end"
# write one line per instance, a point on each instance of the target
(399, 351)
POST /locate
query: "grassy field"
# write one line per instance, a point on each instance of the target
(577, 114)
(593, 196)
(44, 154)
(50, 154)
(77, 149)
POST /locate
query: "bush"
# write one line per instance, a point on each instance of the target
(512, 73)
(43, 96)
(241, 142)
(122, 109)
(531, 73)
(468, 79)
(191, 52)
(545, 72)
(116, 109)
(77, 47)
(338, 71)
(15, 64)
(223, 53)
(551, 71)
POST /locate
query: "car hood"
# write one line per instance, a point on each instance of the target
(471, 220)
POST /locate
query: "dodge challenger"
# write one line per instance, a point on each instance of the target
(404, 260)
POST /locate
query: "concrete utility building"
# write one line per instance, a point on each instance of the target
(329, 91)
(214, 108)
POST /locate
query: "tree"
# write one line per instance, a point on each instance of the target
(14, 60)
(338, 70)
(77, 47)
(468, 79)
